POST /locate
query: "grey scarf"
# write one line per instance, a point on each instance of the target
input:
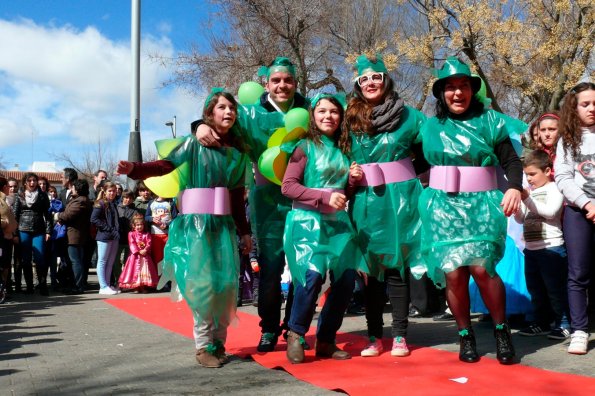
(386, 116)
(31, 197)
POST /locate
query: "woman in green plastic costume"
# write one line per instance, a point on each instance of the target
(384, 133)
(267, 205)
(462, 211)
(201, 255)
(318, 235)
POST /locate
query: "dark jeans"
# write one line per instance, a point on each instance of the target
(272, 261)
(77, 258)
(546, 272)
(579, 234)
(398, 294)
(331, 316)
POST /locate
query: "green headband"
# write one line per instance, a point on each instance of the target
(280, 64)
(364, 65)
(214, 91)
(339, 97)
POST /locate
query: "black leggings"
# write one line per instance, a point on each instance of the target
(398, 294)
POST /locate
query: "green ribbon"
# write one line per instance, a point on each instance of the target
(464, 332)
(212, 349)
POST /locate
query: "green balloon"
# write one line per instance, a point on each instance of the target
(250, 92)
(297, 118)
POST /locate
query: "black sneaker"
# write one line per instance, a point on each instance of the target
(559, 334)
(267, 342)
(533, 330)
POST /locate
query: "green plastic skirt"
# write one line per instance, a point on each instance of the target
(461, 229)
(319, 242)
(388, 227)
(201, 259)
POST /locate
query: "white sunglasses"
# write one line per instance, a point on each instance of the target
(376, 78)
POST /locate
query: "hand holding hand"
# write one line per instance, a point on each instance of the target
(338, 201)
(511, 202)
(355, 171)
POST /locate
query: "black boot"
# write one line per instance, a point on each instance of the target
(504, 348)
(468, 349)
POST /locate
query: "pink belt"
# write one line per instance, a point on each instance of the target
(259, 179)
(322, 208)
(380, 173)
(454, 179)
(213, 201)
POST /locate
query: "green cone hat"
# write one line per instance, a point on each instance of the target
(453, 67)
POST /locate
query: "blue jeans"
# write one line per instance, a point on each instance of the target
(33, 246)
(77, 257)
(546, 272)
(331, 317)
(106, 255)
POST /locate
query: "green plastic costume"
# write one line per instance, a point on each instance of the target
(462, 229)
(386, 217)
(268, 206)
(321, 241)
(201, 254)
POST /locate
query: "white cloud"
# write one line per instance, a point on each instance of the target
(66, 87)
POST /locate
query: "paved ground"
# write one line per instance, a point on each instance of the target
(78, 345)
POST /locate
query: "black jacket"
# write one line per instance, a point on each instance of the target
(35, 219)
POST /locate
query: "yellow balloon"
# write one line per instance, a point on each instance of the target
(272, 164)
(277, 138)
(166, 186)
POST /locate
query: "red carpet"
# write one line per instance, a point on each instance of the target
(426, 371)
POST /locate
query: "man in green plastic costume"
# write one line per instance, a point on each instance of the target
(268, 206)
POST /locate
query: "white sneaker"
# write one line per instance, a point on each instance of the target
(578, 342)
(116, 289)
(374, 348)
(107, 291)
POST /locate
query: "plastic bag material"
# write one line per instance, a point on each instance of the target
(321, 241)
(385, 217)
(201, 255)
(464, 228)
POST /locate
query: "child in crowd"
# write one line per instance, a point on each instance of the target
(318, 234)
(201, 256)
(57, 244)
(160, 212)
(139, 272)
(548, 135)
(575, 178)
(546, 265)
(126, 211)
(105, 218)
(143, 197)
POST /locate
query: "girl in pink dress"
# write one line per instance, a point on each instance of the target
(139, 272)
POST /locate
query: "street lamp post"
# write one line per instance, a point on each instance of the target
(172, 125)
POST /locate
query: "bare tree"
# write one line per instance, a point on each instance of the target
(87, 162)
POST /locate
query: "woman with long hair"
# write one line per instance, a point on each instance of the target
(384, 133)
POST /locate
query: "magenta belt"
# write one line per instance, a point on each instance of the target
(322, 208)
(213, 201)
(454, 179)
(380, 173)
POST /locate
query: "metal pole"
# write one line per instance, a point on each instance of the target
(175, 133)
(134, 144)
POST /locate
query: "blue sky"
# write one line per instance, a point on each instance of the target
(65, 75)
